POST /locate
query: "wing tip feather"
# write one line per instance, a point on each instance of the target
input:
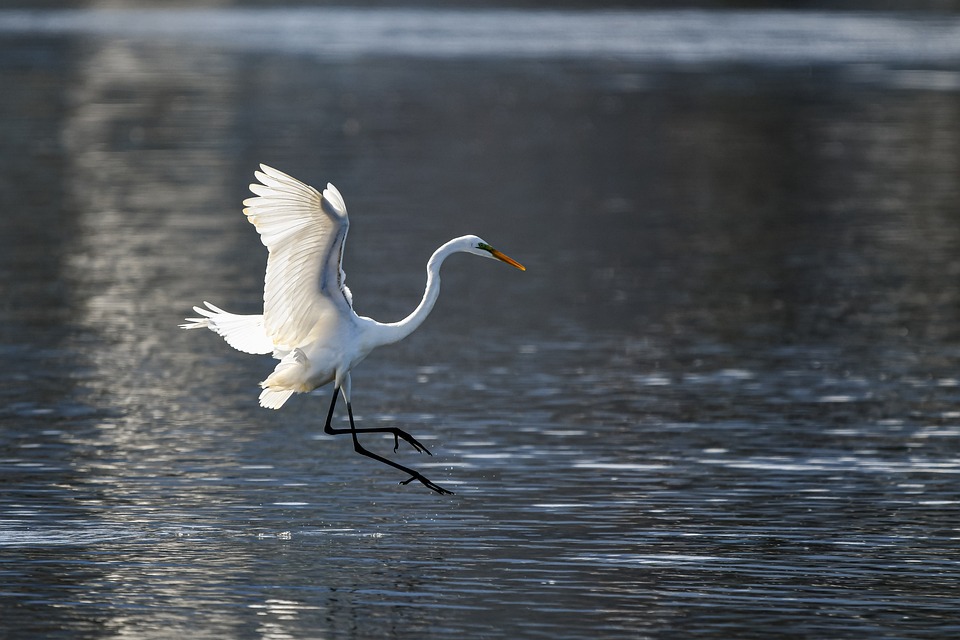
(331, 196)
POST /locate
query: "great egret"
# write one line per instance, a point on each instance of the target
(308, 321)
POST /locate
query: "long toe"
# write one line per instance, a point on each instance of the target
(416, 444)
(429, 484)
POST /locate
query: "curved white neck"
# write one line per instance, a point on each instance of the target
(396, 331)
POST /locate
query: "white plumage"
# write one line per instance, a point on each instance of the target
(308, 321)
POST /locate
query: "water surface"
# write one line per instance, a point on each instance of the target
(722, 401)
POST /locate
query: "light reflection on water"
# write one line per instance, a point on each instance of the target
(722, 401)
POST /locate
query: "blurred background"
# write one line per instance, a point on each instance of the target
(722, 400)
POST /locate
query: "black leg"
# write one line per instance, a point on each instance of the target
(414, 475)
(353, 431)
(397, 433)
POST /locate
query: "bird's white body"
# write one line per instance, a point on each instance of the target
(330, 348)
(308, 321)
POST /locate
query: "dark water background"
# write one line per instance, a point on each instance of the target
(722, 402)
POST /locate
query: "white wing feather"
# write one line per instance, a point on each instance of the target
(304, 232)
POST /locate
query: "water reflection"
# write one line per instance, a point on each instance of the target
(721, 401)
(669, 36)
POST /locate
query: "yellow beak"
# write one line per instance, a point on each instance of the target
(505, 258)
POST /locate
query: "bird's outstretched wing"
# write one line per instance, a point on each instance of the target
(304, 232)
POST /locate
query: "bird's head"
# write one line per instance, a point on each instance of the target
(478, 247)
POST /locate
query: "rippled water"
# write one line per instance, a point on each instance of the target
(723, 400)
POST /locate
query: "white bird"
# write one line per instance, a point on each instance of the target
(308, 321)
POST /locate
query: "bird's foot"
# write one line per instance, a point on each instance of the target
(428, 484)
(416, 444)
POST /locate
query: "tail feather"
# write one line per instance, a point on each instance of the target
(274, 398)
(196, 323)
(289, 376)
(242, 332)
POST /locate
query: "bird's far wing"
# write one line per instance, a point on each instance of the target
(303, 231)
